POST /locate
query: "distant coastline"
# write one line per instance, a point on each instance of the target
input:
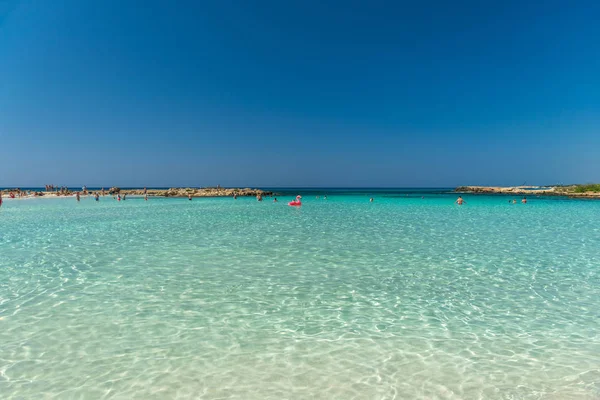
(579, 191)
(171, 192)
(590, 191)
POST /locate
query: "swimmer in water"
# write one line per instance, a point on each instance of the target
(514, 201)
(189, 197)
(97, 196)
(77, 196)
(275, 200)
(118, 197)
(371, 200)
(460, 201)
(146, 197)
(524, 201)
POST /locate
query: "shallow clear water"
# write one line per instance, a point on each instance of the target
(340, 299)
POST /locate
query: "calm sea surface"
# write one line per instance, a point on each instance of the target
(405, 297)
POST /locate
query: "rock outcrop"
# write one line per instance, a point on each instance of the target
(569, 191)
(197, 192)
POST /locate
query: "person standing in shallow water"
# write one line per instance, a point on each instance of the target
(77, 196)
(460, 201)
(524, 201)
(189, 197)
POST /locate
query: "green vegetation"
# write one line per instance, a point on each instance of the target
(591, 187)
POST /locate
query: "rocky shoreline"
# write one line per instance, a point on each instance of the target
(195, 192)
(569, 191)
(172, 192)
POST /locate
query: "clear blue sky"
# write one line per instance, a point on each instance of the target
(299, 93)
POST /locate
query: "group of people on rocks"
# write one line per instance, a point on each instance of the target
(59, 190)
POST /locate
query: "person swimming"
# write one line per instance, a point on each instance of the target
(275, 200)
(97, 196)
(524, 201)
(371, 200)
(459, 201)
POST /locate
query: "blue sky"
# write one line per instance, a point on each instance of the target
(299, 93)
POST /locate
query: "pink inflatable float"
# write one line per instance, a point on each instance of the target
(296, 203)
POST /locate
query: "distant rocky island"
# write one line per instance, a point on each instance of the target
(194, 192)
(586, 191)
(172, 192)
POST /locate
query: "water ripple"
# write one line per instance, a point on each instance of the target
(342, 299)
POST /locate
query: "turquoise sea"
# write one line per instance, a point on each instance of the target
(402, 298)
